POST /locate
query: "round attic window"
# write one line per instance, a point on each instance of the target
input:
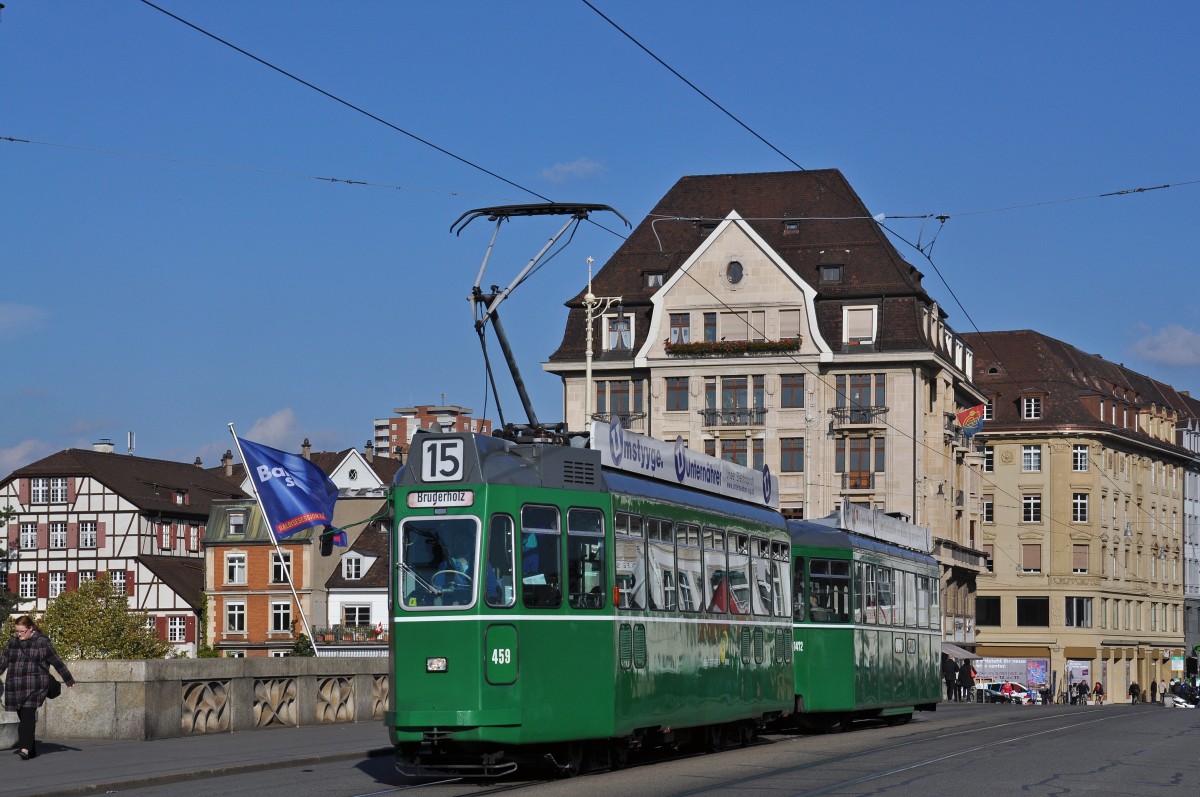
(734, 272)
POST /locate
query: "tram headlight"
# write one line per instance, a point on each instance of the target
(435, 664)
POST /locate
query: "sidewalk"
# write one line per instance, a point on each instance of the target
(87, 766)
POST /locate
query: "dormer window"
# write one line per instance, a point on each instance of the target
(352, 568)
(791, 226)
(654, 279)
(1031, 408)
(831, 275)
(620, 333)
(237, 524)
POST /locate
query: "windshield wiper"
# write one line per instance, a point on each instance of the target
(432, 590)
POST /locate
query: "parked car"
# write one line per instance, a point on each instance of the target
(994, 693)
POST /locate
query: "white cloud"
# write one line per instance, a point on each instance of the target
(19, 319)
(576, 169)
(277, 430)
(1174, 345)
(22, 454)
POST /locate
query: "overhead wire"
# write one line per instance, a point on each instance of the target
(923, 249)
(465, 161)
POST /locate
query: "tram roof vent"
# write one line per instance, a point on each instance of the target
(579, 473)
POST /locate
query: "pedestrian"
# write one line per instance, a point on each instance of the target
(1162, 691)
(966, 681)
(950, 676)
(1153, 691)
(28, 658)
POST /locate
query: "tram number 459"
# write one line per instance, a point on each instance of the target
(501, 655)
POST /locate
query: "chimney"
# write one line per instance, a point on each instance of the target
(227, 462)
(198, 463)
(306, 449)
(369, 451)
(103, 446)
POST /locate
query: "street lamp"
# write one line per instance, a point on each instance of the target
(594, 306)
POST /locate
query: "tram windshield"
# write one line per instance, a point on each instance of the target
(438, 561)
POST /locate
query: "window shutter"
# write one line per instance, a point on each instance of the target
(72, 535)
(1031, 557)
(190, 628)
(23, 491)
(789, 324)
(858, 323)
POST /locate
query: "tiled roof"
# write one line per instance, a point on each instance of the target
(1013, 364)
(831, 227)
(149, 484)
(183, 575)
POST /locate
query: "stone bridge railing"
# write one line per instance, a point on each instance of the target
(161, 699)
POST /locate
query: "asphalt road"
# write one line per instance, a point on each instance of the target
(962, 749)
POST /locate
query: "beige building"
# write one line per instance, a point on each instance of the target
(767, 320)
(1083, 503)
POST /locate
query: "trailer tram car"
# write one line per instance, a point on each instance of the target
(550, 608)
(866, 626)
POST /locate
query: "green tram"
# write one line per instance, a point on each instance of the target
(549, 607)
(867, 628)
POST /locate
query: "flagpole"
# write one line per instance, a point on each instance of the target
(287, 569)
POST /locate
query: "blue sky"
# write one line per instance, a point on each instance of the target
(171, 263)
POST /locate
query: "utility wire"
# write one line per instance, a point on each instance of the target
(692, 85)
(248, 169)
(349, 105)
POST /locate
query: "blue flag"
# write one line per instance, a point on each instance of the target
(295, 493)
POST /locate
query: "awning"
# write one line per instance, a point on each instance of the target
(958, 653)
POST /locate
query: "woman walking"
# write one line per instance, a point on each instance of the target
(28, 658)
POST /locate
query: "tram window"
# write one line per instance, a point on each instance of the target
(498, 591)
(886, 601)
(910, 599)
(688, 573)
(661, 551)
(438, 561)
(829, 590)
(781, 581)
(762, 596)
(586, 581)
(541, 578)
(935, 598)
(715, 584)
(630, 561)
(859, 591)
(737, 574)
(922, 601)
(898, 597)
(870, 595)
(799, 604)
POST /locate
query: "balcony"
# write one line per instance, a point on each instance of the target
(858, 480)
(746, 416)
(847, 418)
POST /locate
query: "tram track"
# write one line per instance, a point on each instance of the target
(940, 736)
